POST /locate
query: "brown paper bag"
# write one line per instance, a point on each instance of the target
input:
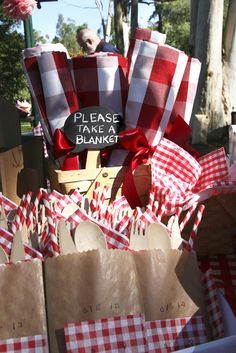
(170, 284)
(89, 285)
(22, 303)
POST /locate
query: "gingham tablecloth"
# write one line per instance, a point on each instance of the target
(31, 344)
(170, 335)
(110, 335)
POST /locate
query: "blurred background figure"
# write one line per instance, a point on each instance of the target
(90, 43)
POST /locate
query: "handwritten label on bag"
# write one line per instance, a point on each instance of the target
(98, 307)
(92, 128)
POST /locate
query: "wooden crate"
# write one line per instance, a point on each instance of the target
(217, 228)
(84, 180)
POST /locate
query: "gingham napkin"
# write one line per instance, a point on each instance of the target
(6, 239)
(156, 78)
(111, 335)
(101, 80)
(114, 239)
(58, 89)
(174, 169)
(7, 204)
(174, 334)
(31, 344)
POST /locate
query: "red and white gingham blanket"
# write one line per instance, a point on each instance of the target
(101, 80)
(156, 78)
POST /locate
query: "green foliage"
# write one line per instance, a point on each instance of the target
(173, 18)
(13, 84)
(39, 38)
(66, 34)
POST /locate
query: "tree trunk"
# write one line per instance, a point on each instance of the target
(214, 79)
(134, 17)
(208, 49)
(109, 19)
(121, 23)
(118, 24)
(193, 26)
(229, 59)
(100, 9)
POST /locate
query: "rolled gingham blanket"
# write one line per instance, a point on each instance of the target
(185, 98)
(155, 82)
(101, 80)
(135, 43)
(59, 92)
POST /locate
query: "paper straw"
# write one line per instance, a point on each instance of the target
(164, 201)
(155, 207)
(26, 204)
(123, 225)
(33, 210)
(187, 216)
(95, 198)
(51, 224)
(196, 224)
(178, 212)
(18, 220)
(101, 203)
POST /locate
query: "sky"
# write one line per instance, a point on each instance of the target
(81, 11)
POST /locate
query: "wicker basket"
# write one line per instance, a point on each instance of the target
(218, 225)
(84, 180)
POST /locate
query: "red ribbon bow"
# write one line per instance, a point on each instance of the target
(135, 141)
(62, 148)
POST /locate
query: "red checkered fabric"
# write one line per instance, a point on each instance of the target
(187, 91)
(6, 239)
(118, 334)
(31, 344)
(214, 168)
(224, 271)
(169, 335)
(114, 239)
(212, 304)
(8, 205)
(140, 35)
(176, 170)
(38, 131)
(31, 69)
(58, 89)
(101, 80)
(156, 78)
(150, 35)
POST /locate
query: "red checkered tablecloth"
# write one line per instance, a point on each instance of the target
(31, 344)
(118, 334)
(169, 335)
(224, 271)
